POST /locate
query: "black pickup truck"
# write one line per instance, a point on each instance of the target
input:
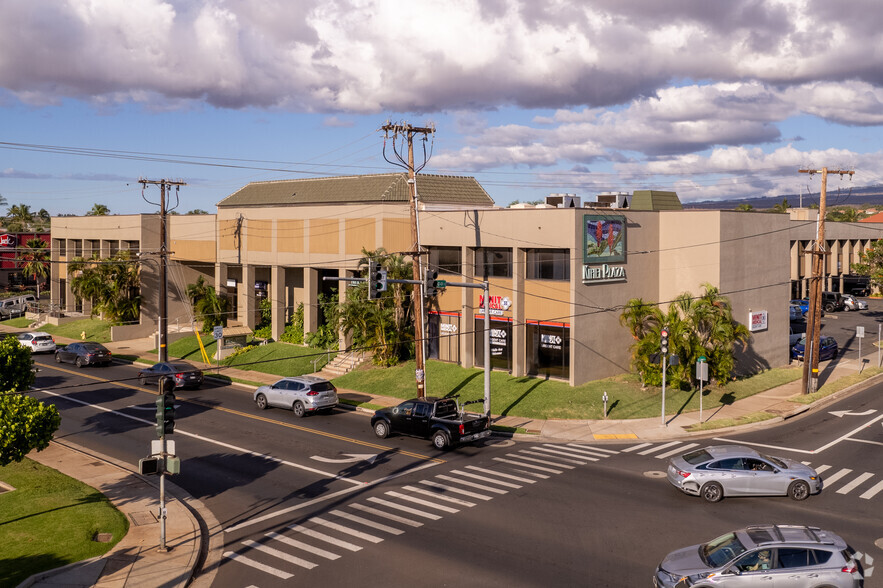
(439, 419)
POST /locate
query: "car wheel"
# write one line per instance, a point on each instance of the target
(381, 429)
(142, 380)
(79, 362)
(829, 308)
(712, 492)
(57, 358)
(299, 410)
(261, 401)
(440, 440)
(798, 490)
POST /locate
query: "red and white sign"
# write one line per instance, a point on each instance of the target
(495, 302)
(757, 320)
(7, 240)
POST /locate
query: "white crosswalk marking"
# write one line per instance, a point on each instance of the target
(346, 530)
(822, 468)
(590, 448)
(659, 448)
(828, 480)
(484, 479)
(674, 451)
(300, 545)
(872, 491)
(535, 474)
(558, 455)
(527, 465)
(501, 474)
(446, 488)
(367, 522)
(567, 452)
(636, 447)
(323, 537)
(280, 554)
(438, 495)
(403, 508)
(520, 455)
(257, 565)
(422, 502)
(386, 515)
(473, 485)
(855, 483)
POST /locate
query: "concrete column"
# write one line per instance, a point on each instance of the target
(345, 339)
(795, 260)
(247, 306)
(519, 329)
(277, 299)
(221, 278)
(469, 296)
(311, 300)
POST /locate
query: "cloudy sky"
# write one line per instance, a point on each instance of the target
(712, 99)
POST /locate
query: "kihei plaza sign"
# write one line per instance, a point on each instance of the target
(596, 274)
(604, 242)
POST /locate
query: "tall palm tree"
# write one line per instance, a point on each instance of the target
(112, 284)
(208, 306)
(19, 218)
(98, 210)
(36, 261)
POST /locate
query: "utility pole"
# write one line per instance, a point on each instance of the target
(407, 132)
(819, 253)
(163, 262)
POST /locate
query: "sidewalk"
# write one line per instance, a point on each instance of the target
(191, 529)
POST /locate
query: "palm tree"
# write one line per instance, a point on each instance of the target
(783, 207)
(36, 261)
(19, 218)
(98, 210)
(208, 307)
(44, 220)
(744, 207)
(112, 284)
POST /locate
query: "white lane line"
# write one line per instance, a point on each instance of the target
(279, 554)
(589, 447)
(520, 455)
(635, 447)
(572, 457)
(806, 462)
(822, 468)
(868, 441)
(213, 441)
(828, 480)
(450, 499)
(446, 488)
(472, 485)
(403, 508)
(367, 522)
(845, 437)
(674, 451)
(342, 529)
(849, 434)
(323, 537)
(422, 502)
(855, 483)
(527, 465)
(659, 448)
(500, 474)
(872, 491)
(386, 515)
(484, 479)
(257, 565)
(300, 545)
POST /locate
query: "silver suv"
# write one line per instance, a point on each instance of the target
(763, 555)
(302, 394)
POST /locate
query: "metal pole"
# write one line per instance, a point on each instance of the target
(487, 351)
(162, 476)
(663, 387)
(878, 344)
(701, 384)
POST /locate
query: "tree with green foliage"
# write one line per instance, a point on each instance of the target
(36, 261)
(782, 207)
(871, 263)
(196, 211)
(697, 326)
(16, 366)
(208, 306)
(326, 335)
(112, 284)
(98, 210)
(19, 218)
(744, 207)
(847, 214)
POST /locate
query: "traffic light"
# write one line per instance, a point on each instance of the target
(430, 288)
(663, 337)
(376, 280)
(165, 407)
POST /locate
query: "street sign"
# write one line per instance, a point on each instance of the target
(703, 358)
(156, 447)
(441, 283)
(218, 332)
(860, 332)
(701, 370)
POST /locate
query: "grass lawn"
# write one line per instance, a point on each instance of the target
(19, 323)
(49, 520)
(96, 330)
(550, 399)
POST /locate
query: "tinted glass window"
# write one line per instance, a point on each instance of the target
(791, 557)
(698, 456)
(322, 386)
(493, 263)
(733, 463)
(445, 259)
(405, 408)
(721, 550)
(548, 264)
(822, 556)
(421, 410)
(446, 409)
(43, 338)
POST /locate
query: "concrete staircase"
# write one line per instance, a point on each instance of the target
(344, 363)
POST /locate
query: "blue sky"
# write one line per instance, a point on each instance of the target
(713, 100)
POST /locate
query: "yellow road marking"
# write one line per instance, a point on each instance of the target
(253, 416)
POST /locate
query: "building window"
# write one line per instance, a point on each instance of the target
(447, 260)
(493, 263)
(78, 248)
(548, 264)
(501, 344)
(60, 245)
(548, 351)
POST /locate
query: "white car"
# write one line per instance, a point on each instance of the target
(853, 303)
(37, 342)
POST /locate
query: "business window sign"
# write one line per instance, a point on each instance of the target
(496, 305)
(757, 320)
(603, 248)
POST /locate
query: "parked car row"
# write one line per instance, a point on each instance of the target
(831, 302)
(16, 306)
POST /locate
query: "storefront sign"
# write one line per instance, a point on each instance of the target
(499, 342)
(496, 305)
(550, 341)
(447, 327)
(7, 240)
(594, 274)
(757, 320)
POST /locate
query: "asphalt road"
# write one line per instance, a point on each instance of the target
(321, 501)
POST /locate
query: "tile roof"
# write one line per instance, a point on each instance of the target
(874, 218)
(379, 188)
(655, 200)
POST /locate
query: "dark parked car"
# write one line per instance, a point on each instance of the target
(86, 353)
(186, 376)
(439, 419)
(827, 349)
(803, 303)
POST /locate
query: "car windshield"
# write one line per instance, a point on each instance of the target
(719, 551)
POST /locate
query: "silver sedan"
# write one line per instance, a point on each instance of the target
(735, 470)
(302, 394)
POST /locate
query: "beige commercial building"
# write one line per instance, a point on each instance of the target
(559, 277)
